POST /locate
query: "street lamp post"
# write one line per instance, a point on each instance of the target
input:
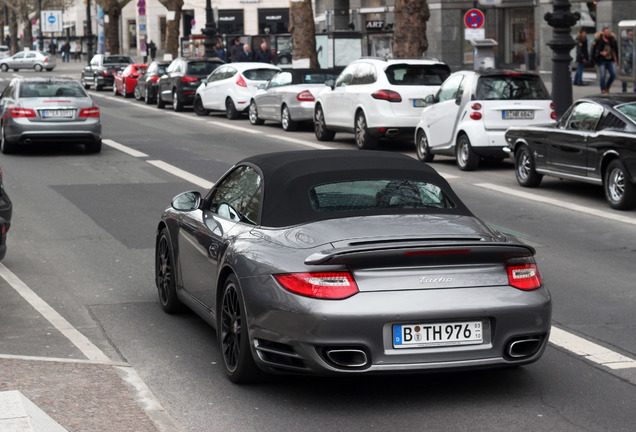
(40, 41)
(89, 32)
(561, 19)
(209, 31)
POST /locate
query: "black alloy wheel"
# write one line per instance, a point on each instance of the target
(198, 107)
(94, 147)
(165, 276)
(125, 90)
(320, 127)
(525, 170)
(147, 99)
(364, 140)
(160, 102)
(467, 159)
(620, 193)
(230, 109)
(233, 336)
(286, 121)
(5, 146)
(421, 147)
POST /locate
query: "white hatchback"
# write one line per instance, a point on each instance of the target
(230, 87)
(470, 114)
(375, 98)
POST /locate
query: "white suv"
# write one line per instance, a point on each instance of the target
(375, 98)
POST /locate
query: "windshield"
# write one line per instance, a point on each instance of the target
(405, 74)
(260, 74)
(629, 110)
(201, 67)
(377, 195)
(117, 59)
(511, 87)
(51, 89)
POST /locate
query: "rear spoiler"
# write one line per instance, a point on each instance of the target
(431, 252)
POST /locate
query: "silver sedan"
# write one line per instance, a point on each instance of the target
(28, 59)
(44, 110)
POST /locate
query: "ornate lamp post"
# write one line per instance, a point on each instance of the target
(562, 43)
(209, 31)
(89, 32)
(40, 39)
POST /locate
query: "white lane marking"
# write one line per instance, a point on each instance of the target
(299, 141)
(182, 174)
(558, 203)
(62, 360)
(19, 413)
(125, 149)
(589, 350)
(234, 127)
(78, 339)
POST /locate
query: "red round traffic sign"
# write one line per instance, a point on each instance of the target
(474, 19)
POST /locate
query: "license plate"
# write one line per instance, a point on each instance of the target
(57, 113)
(517, 115)
(437, 335)
(419, 103)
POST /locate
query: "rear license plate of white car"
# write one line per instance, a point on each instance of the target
(419, 103)
(517, 115)
(57, 113)
(437, 335)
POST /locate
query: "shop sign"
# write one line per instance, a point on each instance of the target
(375, 25)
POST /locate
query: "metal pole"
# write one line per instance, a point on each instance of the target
(89, 32)
(40, 40)
(209, 31)
(561, 19)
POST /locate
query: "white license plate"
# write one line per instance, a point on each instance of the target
(419, 103)
(57, 113)
(517, 115)
(436, 335)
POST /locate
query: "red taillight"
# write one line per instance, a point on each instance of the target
(21, 112)
(476, 106)
(524, 276)
(388, 95)
(154, 78)
(90, 112)
(324, 285)
(553, 114)
(305, 96)
(46, 59)
(189, 79)
(552, 106)
(106, 73)
(475, 115)
(241, 82)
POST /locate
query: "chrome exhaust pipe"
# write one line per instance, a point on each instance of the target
(392, 132)
(350, 358)
(523, 348)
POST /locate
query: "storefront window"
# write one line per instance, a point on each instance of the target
(230, 22)
(132, 34)
(274, 21)
(520, 34)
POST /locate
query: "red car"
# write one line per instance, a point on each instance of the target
(125, 80)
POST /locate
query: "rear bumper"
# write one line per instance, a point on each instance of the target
(43, 132)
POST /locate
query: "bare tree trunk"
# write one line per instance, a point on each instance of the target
(409, 34)
(27, 38)
(303, 31)
(172, 28)
(112, 8)
(13, 32)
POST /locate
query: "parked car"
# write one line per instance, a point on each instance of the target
(289, 97)
(146, 86)
(593, 142)
(45, 110)
(6, 208)
(101, 70)
(374, 98)
(126, 80)
(230, 88)
(179, 84)
(342, 262)
(28, 59)
(5, 51)
(470, 113)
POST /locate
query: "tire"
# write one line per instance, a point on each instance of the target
(525, 169)
(286, 121)
(114, 89)
(5, 146)
(94, 147)
(364, 141)
(284, 60)
(165, 275)
(233, 336)
(125, 90)
(198, 107)
(230, 109)
(467, 159)
(49, 69)
(4, 67)
(252, 114)
(38, 68)
(147, 99)
(177, 106)
(99, 87)
(160, 102)
(620, 193)
(320, 127)
(86, 86)
(137, 93)
(421, 147)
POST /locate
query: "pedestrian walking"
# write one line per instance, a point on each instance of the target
(236, 50)
(78, 51)
(263, 55)
(605, 55)
(66, 57)
(581, 57)
(627, 60)
(153, 50)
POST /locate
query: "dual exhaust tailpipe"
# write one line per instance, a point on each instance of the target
(523, 348)
(350, 358)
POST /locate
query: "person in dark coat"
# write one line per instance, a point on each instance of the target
(605, 55)
(263, 54)
(236, 50)
(153, 50)
(581, 57)
(219, 51)
(245, 55)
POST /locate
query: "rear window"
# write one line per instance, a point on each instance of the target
(201, 67)
(404, 74)
(511, 87)
(117, 59)
(629, 110)
(377, 195)
(317, 78)
(51, 89)
(260, 74)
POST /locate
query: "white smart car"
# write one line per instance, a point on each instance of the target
(472, 110)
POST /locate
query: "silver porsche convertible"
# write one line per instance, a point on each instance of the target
(342, 262)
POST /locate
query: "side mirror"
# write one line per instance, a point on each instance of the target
(187, 201)
(429, 100)
(458, 99)
(261, 87)
(331, 83)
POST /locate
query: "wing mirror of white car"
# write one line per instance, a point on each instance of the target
(331, 83)
(187, 201)
(261, 87)
(429, 100)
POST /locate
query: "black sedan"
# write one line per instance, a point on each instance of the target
(178, 85)
(6, 209)
(101, 70)
(341, 262)
(594, 142)
(146, 87)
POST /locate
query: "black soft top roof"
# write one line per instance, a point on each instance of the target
(288, 177)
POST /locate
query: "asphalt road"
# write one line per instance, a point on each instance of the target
(83, 239)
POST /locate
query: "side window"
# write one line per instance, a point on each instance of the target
(229, 72)
(30, 55)
(19, 56)
(172, 67)
(239, 192)
(8, 91)
(364, 74)
(346, 76)
(584, 117)
(450, 88)
(217, 74)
